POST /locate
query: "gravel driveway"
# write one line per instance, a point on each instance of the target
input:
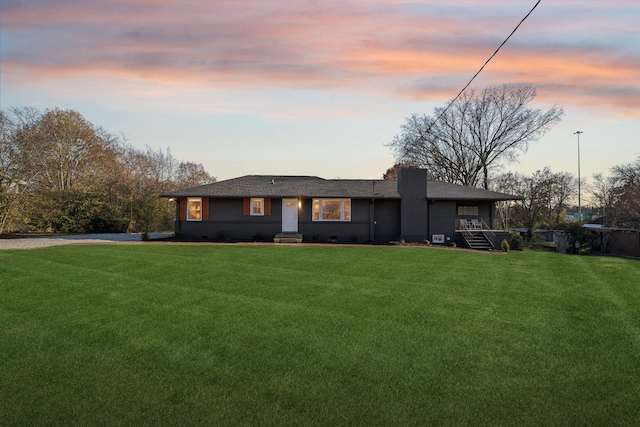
(43, 242)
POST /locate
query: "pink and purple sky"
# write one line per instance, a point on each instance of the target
(319, 87)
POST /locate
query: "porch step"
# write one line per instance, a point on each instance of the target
(477, 240)
(288, 238)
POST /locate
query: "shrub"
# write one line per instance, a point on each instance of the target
(515, 241)
(505, 246)
(578, 239)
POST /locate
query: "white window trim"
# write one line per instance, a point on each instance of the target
(190, 199)
(342, 210)
(261, 213)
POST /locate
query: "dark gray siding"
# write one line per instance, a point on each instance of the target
(226, 221)
(356, 230)
(376, 221)
(371, 221)
(387, 220)
(442, 219)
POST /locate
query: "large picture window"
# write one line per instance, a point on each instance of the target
(332, 209)
(194, 209)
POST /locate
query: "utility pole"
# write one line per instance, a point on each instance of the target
(579, 179)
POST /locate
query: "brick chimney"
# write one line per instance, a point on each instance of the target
(414, 211)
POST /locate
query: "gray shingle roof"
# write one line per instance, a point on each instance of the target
(312, 186)
(438, 190)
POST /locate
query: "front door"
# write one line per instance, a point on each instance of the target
(289, 215)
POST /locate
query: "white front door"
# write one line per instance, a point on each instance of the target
(289, 215)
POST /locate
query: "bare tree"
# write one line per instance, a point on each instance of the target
(528, 211)
(603, 196)
(562, 188)
(627, 189)
(191, 174)
(545, 196)
(473, 136)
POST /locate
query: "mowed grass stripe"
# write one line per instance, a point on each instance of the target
(264, 335)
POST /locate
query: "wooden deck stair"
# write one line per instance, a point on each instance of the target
(288, 238)
(477, 240)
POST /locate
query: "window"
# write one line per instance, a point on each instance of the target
(332, 209)
(467, 210)
(194, 209)
(257, 207)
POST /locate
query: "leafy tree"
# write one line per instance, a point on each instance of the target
(579, 239)
(74, 211)
(69, 151)
(59, 172)
(392, 172)
(17, 127)
(473, 136)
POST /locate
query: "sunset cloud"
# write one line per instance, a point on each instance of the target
(378, 46)
(307, 60)
(417, 50)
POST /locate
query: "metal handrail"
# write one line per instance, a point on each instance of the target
(481, 224)
(489, 229)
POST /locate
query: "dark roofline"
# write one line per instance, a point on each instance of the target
(312, 186)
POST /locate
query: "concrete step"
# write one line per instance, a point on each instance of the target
(288, 238)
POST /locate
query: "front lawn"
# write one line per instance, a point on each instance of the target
(326, 335)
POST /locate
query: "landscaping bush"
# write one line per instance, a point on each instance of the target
(515, 241)
(579, 239)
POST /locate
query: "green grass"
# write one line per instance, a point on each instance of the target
(299, 335)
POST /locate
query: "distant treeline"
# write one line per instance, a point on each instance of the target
(61, 173)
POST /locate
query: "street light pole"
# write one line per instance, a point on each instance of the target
(579, 203)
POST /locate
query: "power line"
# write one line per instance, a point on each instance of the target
(481, 68)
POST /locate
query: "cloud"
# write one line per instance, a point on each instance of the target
(421, 50)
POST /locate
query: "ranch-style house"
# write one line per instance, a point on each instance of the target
(312, 209)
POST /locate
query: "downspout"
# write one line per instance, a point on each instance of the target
(372, 221)
(428, 219)
(177, 227)
(372, 213)
(426, 186)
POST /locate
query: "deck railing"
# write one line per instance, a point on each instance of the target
(479, 223)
